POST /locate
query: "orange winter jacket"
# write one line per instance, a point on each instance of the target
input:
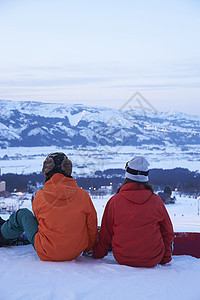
(67, 220)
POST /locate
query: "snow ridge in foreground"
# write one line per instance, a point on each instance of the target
(24, 276)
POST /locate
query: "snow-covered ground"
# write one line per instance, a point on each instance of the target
(89, 159)
(24, 276)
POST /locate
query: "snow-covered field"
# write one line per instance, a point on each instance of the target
(89, 159)
(24, 276)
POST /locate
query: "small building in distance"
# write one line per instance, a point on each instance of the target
(2, 186)
(3, 192)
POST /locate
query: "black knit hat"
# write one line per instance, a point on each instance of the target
(56, 162)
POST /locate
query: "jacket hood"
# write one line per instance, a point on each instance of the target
(135, 192)
(60, 190)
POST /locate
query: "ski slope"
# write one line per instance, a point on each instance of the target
(25, 276)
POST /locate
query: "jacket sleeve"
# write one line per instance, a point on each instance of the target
(91, 225)
(35, 207)
(103, 244)
(167, 232)
(36, 204)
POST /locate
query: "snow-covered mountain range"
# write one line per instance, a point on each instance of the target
(31, 124)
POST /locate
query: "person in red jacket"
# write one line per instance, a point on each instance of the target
(64, 223)
(136, 222)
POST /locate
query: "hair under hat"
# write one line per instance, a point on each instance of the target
(56, 162)
(137, 169)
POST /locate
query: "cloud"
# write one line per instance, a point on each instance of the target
(31, 82)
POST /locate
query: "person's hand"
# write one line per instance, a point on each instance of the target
(88, 253)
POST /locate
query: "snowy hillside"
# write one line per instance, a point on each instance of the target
(95, 138)
(44, 124)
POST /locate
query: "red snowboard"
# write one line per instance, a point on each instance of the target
(187, 243)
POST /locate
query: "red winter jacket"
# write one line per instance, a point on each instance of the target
(137, 224)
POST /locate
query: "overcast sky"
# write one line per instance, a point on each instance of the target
(101, 52)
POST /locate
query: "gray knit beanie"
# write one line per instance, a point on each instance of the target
(137, 169)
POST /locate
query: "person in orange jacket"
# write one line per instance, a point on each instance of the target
(136, 222)
(64, 223)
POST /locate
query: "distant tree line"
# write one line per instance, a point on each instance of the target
(179, 178)
(21, 182)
